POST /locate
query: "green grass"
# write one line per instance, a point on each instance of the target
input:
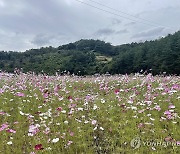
(117, 114)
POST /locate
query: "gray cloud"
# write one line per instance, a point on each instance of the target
(130, 23)
(149, 33)
(116, 21)
(105, 31)
(41, 39)
(124, 31)
(35, 23)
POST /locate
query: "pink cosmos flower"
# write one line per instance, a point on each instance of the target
(59, 109)
(45, 95)
(16, 122)
(176, 86)
(169, 117)
(141, 125)
(141, 111)
(4, 126)
(1, 91)
(178, 143)
(33, 129)
(157, 107)
(71, 111)
(2, 113)
(71, 133)
(93, 122)
(167, 112)
(11, 131)
(137, 92)
(116, 91)
(57, 88)
(72, 105)
(69, 143)
(168, 138)
(88, 98)
(20, 94)
(171, 106)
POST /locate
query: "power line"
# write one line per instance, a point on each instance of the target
(149, 21)
(151, 24)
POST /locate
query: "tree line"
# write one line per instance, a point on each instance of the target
(81, 57)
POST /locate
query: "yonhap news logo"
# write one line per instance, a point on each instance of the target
(137, 142)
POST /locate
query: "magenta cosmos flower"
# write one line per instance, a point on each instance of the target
(38, 147)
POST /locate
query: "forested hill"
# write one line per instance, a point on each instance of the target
(87, 57)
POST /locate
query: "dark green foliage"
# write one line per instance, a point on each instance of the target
(85, 57)
(157, 56)
(90, 45)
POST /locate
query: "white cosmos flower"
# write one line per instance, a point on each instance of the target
(95, 128)
(45, 117)
(80, 109)
(55, 140)
(152, 119)
(63, 111)
(86, 121)
(66, 122)
(95, 107)
(101, 128)
(102, 101)
(21, 113)
(133, 108)
(9, 143)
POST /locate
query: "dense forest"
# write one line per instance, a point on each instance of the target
(86, 57)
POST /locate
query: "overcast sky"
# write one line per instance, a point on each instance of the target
(26, 24)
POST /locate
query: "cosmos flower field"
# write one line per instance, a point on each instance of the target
(102, 114)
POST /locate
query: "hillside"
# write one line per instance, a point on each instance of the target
(87, 57)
